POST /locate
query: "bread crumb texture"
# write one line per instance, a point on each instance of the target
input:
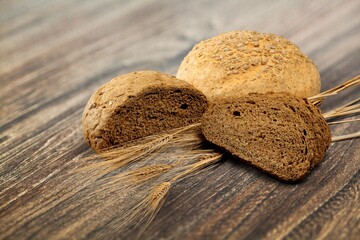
(139, 104)
(276, 132)
(241, 62)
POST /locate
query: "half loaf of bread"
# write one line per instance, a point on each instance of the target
(139, 104)
(276, 132)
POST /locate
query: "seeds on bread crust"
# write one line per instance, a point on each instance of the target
(276, 132)
(241, 62)
(139, 104)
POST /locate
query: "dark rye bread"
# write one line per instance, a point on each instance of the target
(276, 132)
(139, 104)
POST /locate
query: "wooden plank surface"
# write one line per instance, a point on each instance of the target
(54, 54)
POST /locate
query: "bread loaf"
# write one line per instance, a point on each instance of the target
(139, 104)
(240, 62)
(276, 132)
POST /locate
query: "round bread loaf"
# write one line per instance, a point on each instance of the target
(240, 62)
(276, 132)
(139, 104)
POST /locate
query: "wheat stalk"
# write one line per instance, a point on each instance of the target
(317, 99)
(126, 181)
(344, 110)
(198, 166)
(344, 121)
(345, 137)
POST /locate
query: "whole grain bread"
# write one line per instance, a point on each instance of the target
(139, 104)
(276, 132)
(240, 62)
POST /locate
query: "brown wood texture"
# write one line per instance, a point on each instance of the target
(54, 54)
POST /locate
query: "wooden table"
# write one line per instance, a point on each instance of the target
(54, 54)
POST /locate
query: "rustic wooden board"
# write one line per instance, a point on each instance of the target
(54, 54)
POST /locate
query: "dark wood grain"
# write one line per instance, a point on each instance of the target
(54, 54)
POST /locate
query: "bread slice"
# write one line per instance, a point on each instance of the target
(276, 132)
(139, 104)
(241, 62)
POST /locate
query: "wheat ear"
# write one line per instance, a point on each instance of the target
(155, 203)
(144, 212)
(141, 149)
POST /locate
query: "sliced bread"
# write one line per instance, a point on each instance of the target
(139, 104)
(276, 132)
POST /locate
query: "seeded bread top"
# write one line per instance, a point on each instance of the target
(241, 62)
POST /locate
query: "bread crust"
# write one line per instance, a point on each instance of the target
(240, 62)
(116, 107)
